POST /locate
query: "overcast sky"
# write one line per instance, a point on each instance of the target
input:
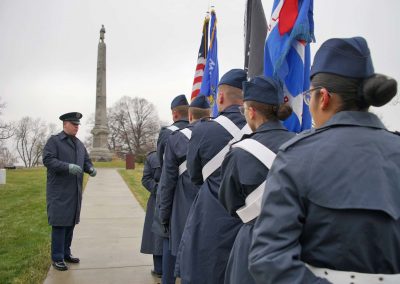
(48, 49)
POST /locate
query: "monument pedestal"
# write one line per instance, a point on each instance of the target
(100, 151)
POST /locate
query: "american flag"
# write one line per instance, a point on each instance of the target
(201, 60)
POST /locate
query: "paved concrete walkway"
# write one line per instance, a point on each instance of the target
(108, 238)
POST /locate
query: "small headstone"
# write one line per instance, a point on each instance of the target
(2, 176)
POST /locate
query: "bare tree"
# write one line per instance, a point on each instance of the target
(6, 129)
(133, 125)
(6, 157)
(30, 138)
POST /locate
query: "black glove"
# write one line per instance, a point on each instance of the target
(165, 225)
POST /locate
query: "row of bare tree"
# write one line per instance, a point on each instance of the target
(133, 125)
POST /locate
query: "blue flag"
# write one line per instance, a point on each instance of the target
(209, 84)
(287, 55)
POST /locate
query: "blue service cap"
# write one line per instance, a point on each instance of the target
(73, 117)
(234, 78)
(200, 101)
(179, 101)
(348, 57)
(263, 90)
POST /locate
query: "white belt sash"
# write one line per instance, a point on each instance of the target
(188, 133)
(237, 134)
(172, 127)
(252, 207)
(339, 277)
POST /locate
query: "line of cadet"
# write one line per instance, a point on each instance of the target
(239, 199)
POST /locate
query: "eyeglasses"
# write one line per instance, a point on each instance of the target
(242, 109)
(307, 94)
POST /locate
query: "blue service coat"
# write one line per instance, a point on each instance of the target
(332, 201)
(177, 192)
(151, 243)
(209, 231)
(241, 174)
(157, 228)
(64, 190)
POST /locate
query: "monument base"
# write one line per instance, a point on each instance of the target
(100, 155)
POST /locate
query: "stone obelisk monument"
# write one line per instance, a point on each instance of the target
(100, 131)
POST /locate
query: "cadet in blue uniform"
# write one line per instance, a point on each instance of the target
(332, 197)
(177, 192)
(152, 243)
(210, 231)
(66, 159)
(179, 111)
(244, 168)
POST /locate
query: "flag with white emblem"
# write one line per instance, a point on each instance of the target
(287, 55)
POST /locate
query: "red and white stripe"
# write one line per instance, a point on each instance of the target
(198, 76)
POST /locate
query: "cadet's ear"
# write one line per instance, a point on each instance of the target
(251, 111)
(220, 96)
(325, 99)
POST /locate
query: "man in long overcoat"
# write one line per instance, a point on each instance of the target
(66, 159)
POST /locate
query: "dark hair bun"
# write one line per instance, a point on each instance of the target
(284, 111)
(379, 89)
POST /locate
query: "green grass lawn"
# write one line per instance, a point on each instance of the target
(116, 163)
(25, 234)
(24, 231)
(133, 179)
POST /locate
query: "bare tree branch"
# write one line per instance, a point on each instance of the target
(134, 125)
(30, 137)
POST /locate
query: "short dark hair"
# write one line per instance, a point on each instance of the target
(182, 110)
(232, 94)
(199, 113)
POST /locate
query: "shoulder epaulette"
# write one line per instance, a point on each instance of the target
(397, 133)
(148, 154)
(301, 136)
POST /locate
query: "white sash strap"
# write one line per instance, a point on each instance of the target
(237, 134)
(229, 126)
(188, 133)
(344, 277)
(172, 127)
(258, 150)
(182, 168)
(252, 207)
(215, 162)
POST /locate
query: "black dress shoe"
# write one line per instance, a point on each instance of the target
(71, 259)
(156, 274)
(60, 265)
